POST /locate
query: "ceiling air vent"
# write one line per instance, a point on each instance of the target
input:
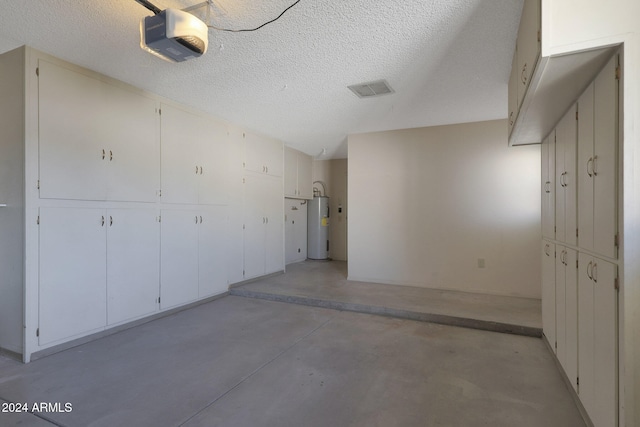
(371, 89)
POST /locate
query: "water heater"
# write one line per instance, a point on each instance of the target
(318, 228)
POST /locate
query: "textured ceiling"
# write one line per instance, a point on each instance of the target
(447, 60)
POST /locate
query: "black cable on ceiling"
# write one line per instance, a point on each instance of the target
(153, 8)
(257, 28)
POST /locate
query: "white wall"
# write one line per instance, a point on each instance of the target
(428, 205)
(569, 25)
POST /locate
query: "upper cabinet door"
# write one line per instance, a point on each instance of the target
(585, 169)
(290, 172)
(566, 182)
(605, 161)
(73, 146)
(528, 45)
(513, 90)
(180, 135)
(263, 155)
(548, 189)
(132, 126)
(214, 156)
(305, 184)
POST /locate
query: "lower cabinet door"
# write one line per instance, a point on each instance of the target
(72, 294)
(178, 257)
(212, 244)
(133, 263)
(597, 339)
(549, 292)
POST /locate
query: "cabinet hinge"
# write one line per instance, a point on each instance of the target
(616, 240)
(576, 232)
(616, 284)
(577, 264)
(158, 300)
(159, 218)
(38, 220)
(576, 115)
(38, 71)
(539, 36)
(577, 380)
(38, 332)
(160, 111)
(243, 226)
(242, 273)
(618, 72)
(556, 345)
(38, 186)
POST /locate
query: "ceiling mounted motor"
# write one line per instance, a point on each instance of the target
(174, 35)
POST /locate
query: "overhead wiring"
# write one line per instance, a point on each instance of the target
(257, 28)
(152, 7)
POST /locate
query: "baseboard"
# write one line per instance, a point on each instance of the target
(255, 279)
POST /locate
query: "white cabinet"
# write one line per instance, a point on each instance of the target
(597, 164)
(513, 90)
(566, 178)
(567, 311)
(97, 141)
(194, 158)
(263, 226)
(73, 281)
(549, 292)
(528, 45)
(548, 155)
(133, 263)
(295, 230)
(297, 174)
(597, 339)
(263, 155)
(192, 255)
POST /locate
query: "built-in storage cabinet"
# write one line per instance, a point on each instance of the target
(193, 262)
(295, 230)
(73, 279)
(566, 302)
(133, 263)
(97, 141)
(580, 289)
(528, 46)
(548, 157)
(549, 292)
(566, 183)
(194, 158)
(263, 155)
(597, 164)
(297, 174)
(98, 265)
(263, 225)
(597, 339)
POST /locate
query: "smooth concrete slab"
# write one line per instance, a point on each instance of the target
(249, 362)
(364, 370)
(325, 284)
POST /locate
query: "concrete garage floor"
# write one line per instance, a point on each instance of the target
(251, 362)
(325, 284)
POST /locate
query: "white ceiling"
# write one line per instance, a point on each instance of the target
(447, 60)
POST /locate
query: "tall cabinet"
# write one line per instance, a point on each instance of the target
(580, 288)
(118, 204)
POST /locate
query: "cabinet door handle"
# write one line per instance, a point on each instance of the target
(110, 220)
(590, 169)
(104, 153)
(196, 169)
(595, 165)
(590, 270)
(110, 155)
(200, 219)
(196, 219)
(102, 222)
(511, 118)
(523, 75)
(594, 272)
(267, 220)
(200, 170)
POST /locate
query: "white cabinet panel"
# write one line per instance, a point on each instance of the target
(264, 225)
(549, 292)
(133, 263)
(212, 244)
(548, 153)
(513, 90)
(585, 169)
(567, 311)
(72, 272)
(290, 172)
(597, 339)
(528, 45)
(73, 153)
(605, 170)
(305, 180)
(178, 257)
(97, 141)
(295, 230)
(214, 152)
(566, 178)
(133, 145)
(263, 155)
